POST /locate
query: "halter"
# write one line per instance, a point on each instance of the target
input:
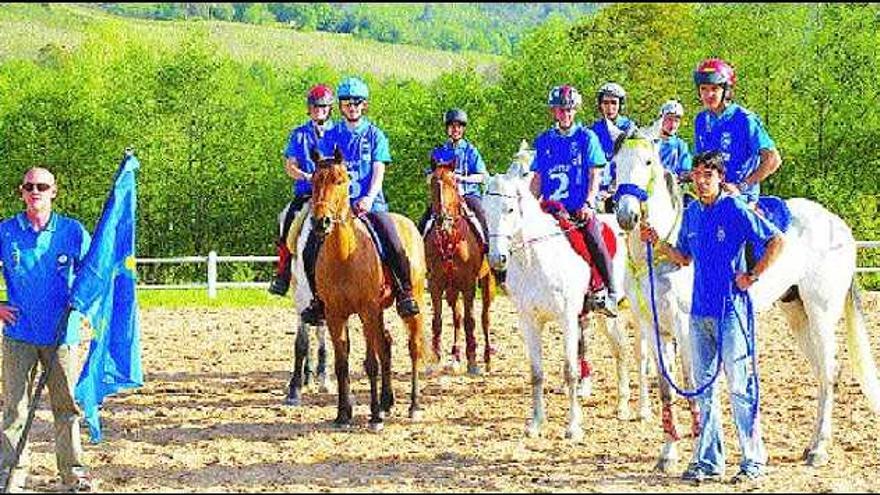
(527, 242)
(334, 216)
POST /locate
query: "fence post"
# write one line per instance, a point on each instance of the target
(212, 275)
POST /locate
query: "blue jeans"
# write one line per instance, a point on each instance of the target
(741, 380)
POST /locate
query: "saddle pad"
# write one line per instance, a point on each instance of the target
(775, 211)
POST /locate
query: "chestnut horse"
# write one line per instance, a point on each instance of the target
(350, 279)
(455, 265)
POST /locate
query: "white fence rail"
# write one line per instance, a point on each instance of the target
(212, 260)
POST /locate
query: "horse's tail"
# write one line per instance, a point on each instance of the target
(859, 345)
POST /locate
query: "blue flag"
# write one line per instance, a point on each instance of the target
(104, 291)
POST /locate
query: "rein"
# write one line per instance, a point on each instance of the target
(527, 242)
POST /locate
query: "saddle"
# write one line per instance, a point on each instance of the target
(775, 211)
(578, 241)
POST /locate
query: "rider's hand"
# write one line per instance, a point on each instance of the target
(363, 205)
(8, 314)
(648, 234)
(584, 213)
(730, 188)
(744, 281)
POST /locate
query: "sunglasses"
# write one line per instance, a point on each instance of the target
(39, 186)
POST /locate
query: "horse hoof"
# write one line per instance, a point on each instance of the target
(816, 459)
(664, 465)
(585, 388)
(416, 414)
(533, 430)
(376, 427)
(292, 401)
(645, 414)
(474, 370)
(574, 434)
(624, 414)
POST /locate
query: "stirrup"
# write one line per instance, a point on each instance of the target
(279, 286)
(314, 314)
(407, 307)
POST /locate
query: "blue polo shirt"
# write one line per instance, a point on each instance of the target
(675, 155)
(39, 268)
(360, 147)
(600, 127)
(302, 140)
(563, 161)
(714, 236)
(467, 162)
(740, 136)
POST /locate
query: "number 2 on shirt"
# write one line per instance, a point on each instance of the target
(561, 191)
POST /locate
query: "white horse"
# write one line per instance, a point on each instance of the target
(546, 280)
(813, 279)
(302, 296)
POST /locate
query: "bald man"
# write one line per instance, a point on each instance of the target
(41, 251)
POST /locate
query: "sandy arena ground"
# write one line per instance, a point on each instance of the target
(211, 418)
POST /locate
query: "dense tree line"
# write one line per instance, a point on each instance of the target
(491, 28)
(210, 131)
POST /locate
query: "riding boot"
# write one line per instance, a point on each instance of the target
(397, 261)
(281, 283)
(605, 301)
(475, 207)
(314, 314)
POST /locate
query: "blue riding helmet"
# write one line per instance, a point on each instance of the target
(352, 88)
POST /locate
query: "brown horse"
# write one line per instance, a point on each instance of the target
(350, 280)
(456, 265)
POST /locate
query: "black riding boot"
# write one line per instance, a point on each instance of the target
(398, 262)
(314, 314)
(606, 301)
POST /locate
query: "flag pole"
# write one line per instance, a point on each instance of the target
(60, 332)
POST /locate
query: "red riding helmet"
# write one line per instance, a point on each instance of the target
(716, 71)
(321, 95)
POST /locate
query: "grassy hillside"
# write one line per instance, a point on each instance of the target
(26, 29)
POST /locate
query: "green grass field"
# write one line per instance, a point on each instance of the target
(26, 28)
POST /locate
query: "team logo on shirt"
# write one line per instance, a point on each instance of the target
(720, 234)
(16, 255)
(62, 259)
(726, 140)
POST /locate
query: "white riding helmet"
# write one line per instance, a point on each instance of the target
(672, 106)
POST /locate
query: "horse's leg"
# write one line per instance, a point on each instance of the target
(585, 371)
(385, 364)
(682, 337)
(300, 350)
(339, 334)
(373, 335)
(669, 451)
(436, 321)
(820, 352)
(323, 379)
(453, 301)
(643, 349)
(573, 337)
(470, 326)
(486, 288)
(414, 328)
(617, 337)
(532, 339)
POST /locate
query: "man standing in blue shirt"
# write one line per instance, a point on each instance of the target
(299, 166)
(470, 169)
(568, 162)
(40, 251)
(713, 235)
(611, 100)
(674, 152)
(750, 156)
(365, 150)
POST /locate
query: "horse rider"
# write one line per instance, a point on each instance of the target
(675, 154)
(470, 170)
(299, 166)
(750, 156)
(41, 251)
(567, 164)
(365, 150)
(611, 101)
(713, 235)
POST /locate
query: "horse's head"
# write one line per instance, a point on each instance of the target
(639, 169)
(503, 206)
(445, 198)
(330, 198)
(522, 160)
